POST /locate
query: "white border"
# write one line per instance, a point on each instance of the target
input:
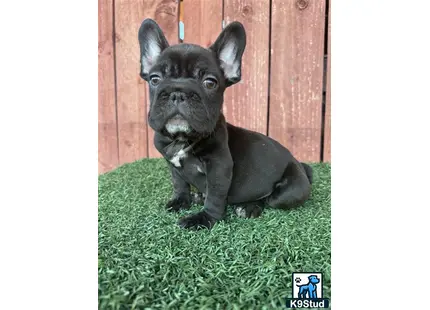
(380, 139)
(48, 220)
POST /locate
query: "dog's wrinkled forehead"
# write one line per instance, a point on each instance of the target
(187, 61)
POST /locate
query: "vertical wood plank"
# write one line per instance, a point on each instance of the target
(297, 49)
(135, 136)
(107, 141)
(327, 126)
(245, 104)
(131, 96)
(202, 20)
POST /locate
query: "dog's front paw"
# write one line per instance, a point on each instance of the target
(176, 204)
(197, 221)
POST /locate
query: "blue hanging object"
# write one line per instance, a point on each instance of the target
(181, 30)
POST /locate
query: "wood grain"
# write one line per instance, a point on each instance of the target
(135, 136)
(202, 20)
(245, 103)
(297, 55)
(327, 125)
(107, 127)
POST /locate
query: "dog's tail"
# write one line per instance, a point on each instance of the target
(308, 171)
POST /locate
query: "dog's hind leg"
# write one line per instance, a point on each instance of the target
(303, 292)
(198, 198)
(308, 171)
(292, 190)
(249, 209)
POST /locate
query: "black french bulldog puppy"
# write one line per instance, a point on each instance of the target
(227, 164)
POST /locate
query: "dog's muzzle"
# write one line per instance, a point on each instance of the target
(177, 124)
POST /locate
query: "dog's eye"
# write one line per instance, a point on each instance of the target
(210, 83)
(154, 80)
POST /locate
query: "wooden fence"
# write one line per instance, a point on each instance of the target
(285, 87)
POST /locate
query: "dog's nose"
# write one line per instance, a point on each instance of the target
(177, 97)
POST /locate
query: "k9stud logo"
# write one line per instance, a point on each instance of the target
(307, 291)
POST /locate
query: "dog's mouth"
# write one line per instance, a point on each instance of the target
(178, 124)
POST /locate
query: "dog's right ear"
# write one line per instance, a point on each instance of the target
(152, 42)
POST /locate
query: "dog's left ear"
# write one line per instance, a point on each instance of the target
(229, 48)
(152, 42)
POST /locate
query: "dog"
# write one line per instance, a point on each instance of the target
(228, 165)
(310, 289)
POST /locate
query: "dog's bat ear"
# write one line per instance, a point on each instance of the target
(152, 42)
(229, 48)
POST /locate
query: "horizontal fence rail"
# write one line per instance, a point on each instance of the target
(285, 87)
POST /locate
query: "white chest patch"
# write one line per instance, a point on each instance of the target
(176, 159)
(199, 169)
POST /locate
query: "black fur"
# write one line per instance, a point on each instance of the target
(228, 164)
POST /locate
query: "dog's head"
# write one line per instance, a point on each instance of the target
(186, 81)
(313, 279)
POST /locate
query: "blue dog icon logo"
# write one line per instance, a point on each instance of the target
(308, 290)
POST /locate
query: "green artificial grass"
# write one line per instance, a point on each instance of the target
(147, 262)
